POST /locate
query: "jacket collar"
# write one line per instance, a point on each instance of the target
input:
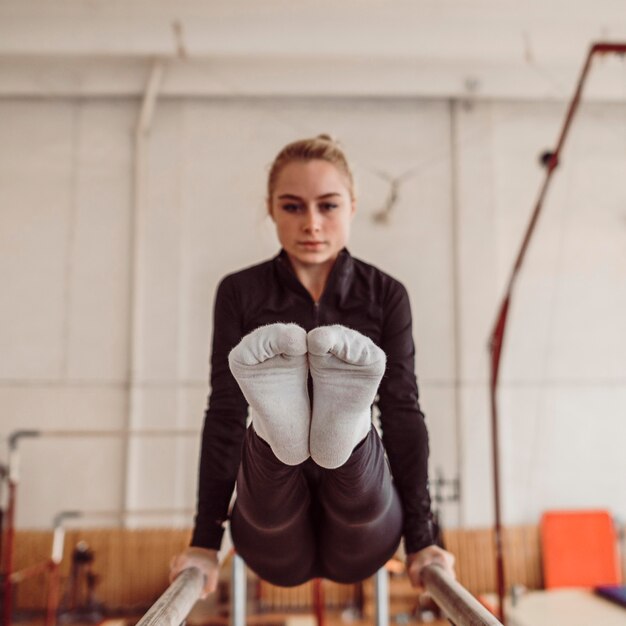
(338, 282)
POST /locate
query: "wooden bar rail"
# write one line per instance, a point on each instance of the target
(174, 605)
(459, 605)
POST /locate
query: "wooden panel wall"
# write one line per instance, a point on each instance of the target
(133, 565)
(300, 598)
(475, 557)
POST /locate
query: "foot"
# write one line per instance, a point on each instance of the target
(346, 368)
(270, 365)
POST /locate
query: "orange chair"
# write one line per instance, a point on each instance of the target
(579, 549)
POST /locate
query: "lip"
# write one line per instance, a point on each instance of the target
(311, 244)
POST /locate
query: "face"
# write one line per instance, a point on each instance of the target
(312, 208)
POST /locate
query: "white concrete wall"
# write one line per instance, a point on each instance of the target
(562, 385)
(66, 210)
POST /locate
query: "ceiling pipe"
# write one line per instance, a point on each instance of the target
(136, 312)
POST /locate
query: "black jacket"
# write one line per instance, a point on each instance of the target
(357, 295)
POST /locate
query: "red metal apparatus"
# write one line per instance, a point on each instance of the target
(11, 578)
(497, 335)
(8, 544)
(318, 601)
(50, 566)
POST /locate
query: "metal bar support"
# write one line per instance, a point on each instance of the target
(381, 596)
(238, 591)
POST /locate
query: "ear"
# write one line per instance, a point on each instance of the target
(352, 207)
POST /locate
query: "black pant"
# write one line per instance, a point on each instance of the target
(294, 523)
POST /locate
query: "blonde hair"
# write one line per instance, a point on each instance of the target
(323, 148)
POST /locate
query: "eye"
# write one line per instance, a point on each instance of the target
(328, 206)
(291, 207)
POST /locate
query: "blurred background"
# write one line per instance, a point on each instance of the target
(135, 140)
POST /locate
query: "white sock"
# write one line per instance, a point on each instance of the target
(270, 365)
(346, 368)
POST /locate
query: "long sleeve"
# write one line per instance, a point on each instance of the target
(358, 295)
(402, 421)
(224, 424)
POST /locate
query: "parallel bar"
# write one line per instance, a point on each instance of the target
(65, 516)
(381, 594)
(174, 605)
(459, 605)
(238, 589)
(67, 433)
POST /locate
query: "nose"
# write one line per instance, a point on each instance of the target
(311, 221)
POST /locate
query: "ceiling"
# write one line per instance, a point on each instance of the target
(425, 48)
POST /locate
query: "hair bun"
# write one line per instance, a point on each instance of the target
(326, 137)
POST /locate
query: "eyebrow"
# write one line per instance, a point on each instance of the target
(290, 196)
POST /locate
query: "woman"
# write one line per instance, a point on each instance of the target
(307, 340)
